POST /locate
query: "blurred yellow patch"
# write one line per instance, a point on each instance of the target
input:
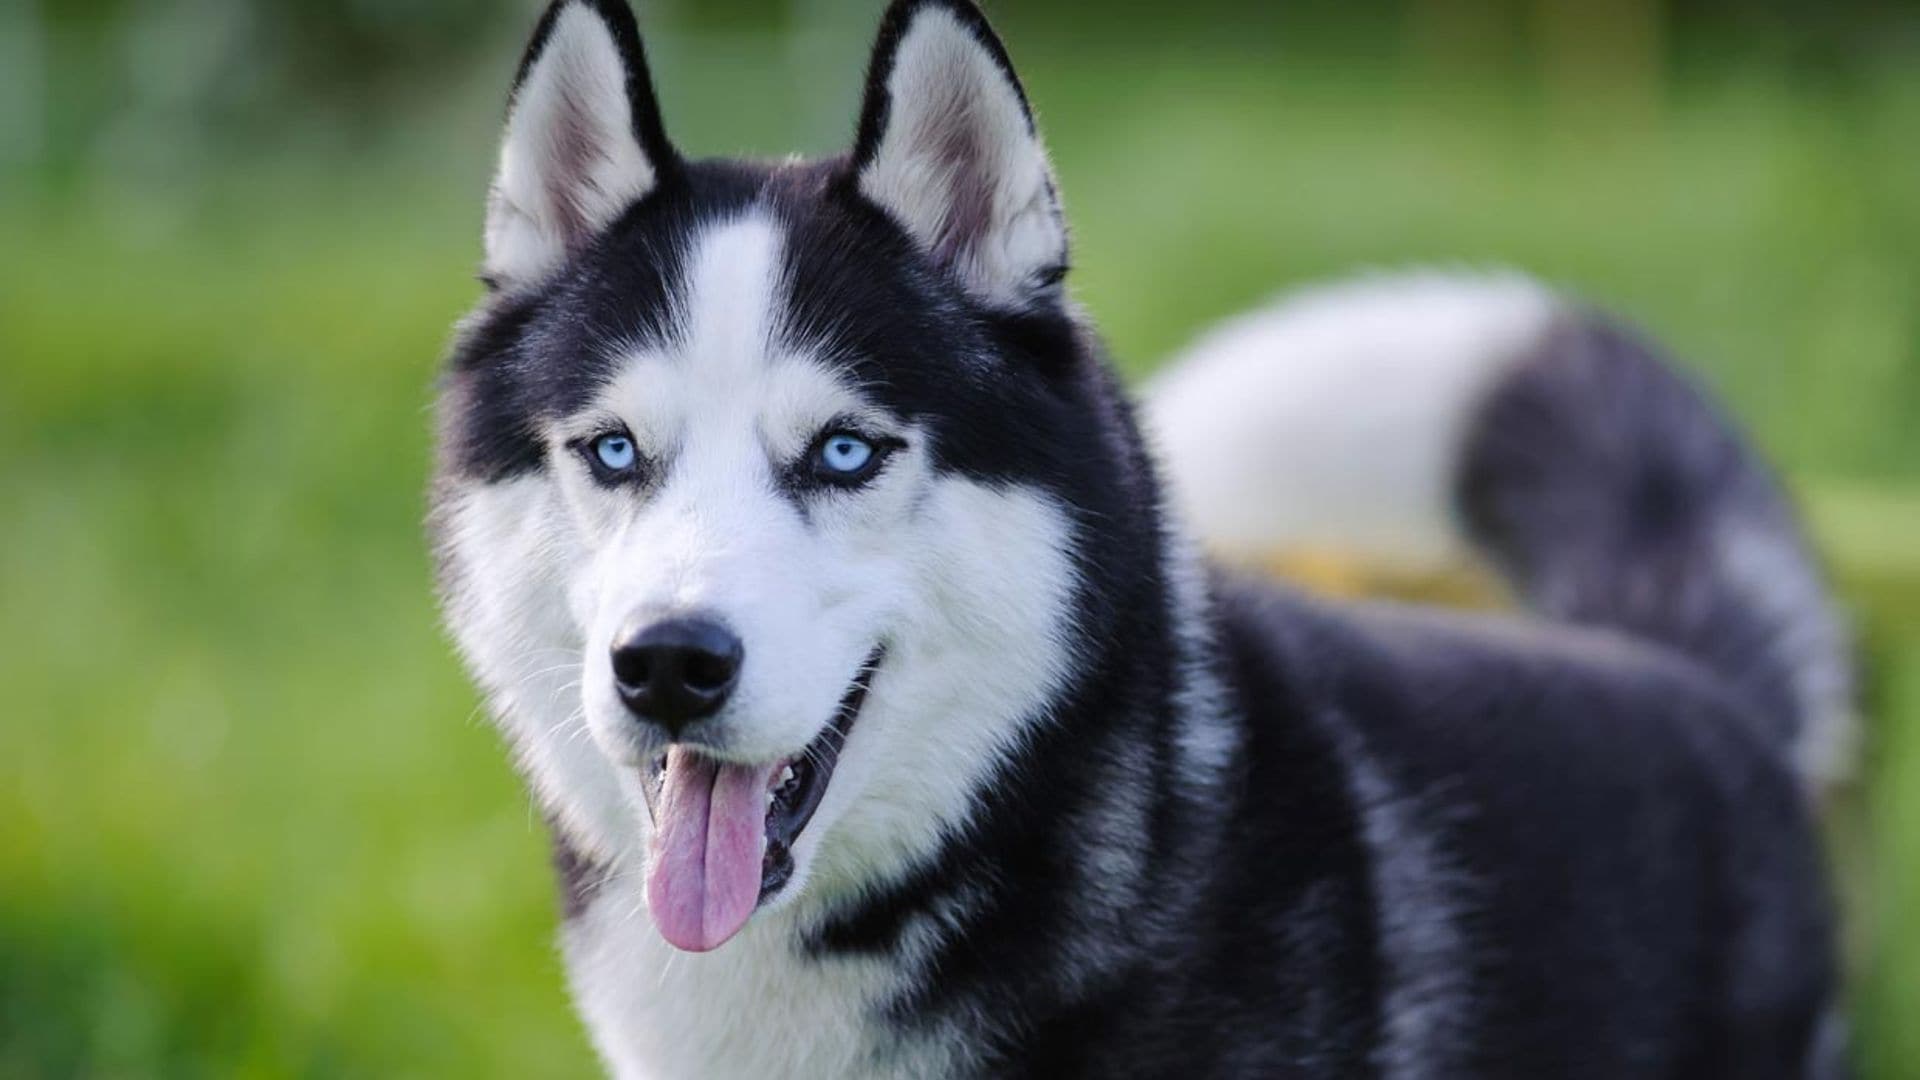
(1349, 575)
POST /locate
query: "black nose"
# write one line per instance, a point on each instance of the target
(675, 671)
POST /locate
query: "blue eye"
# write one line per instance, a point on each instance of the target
(615, 452)
(844, 456)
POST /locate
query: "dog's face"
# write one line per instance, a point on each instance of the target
(755, 485)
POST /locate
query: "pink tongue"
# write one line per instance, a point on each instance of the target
(709, 839)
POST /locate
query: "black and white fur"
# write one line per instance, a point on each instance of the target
(1106, 811)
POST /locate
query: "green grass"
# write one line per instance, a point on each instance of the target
(260, 822)
(250, 819)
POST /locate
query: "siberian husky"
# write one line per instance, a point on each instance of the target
(859, 648)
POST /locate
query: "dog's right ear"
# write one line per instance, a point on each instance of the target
(583, 143)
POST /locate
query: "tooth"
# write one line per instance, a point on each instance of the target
(786, 776)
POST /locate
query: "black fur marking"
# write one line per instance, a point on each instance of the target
(580, 877)
(535, 355)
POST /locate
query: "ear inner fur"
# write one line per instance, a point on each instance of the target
(948, 148)
(584, 140)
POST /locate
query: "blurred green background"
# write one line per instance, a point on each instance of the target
(251, 821)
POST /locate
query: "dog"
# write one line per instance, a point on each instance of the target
(856, 638)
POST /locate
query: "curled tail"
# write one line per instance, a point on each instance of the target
(1421, 420)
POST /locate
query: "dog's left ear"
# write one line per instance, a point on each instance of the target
(584, 140)
(948, 147)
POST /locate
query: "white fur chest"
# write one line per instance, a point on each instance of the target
(757, 1007)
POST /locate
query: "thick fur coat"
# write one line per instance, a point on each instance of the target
(858, 646)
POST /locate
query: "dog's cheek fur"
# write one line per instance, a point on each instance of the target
(983, 640)
(505, 550)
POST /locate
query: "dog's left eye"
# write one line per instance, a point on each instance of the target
(842, 457)
(614, 451)
(613, 457)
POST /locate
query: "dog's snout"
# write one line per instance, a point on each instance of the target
(675, 671)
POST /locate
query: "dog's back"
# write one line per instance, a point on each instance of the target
(1429, 419)
(1589, 845)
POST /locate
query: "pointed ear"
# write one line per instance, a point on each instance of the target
(583, 140)
(948, 147)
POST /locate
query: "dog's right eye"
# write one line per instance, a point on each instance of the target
(614, 451)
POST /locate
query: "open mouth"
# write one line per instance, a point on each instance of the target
(724, 832)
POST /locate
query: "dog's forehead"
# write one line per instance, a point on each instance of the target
(729, 328)
(738, 272)
(729, 347)
(775, 287)
(838, 274)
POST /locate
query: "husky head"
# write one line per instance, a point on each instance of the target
(759, 484)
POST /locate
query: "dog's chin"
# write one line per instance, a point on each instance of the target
(725, 832)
